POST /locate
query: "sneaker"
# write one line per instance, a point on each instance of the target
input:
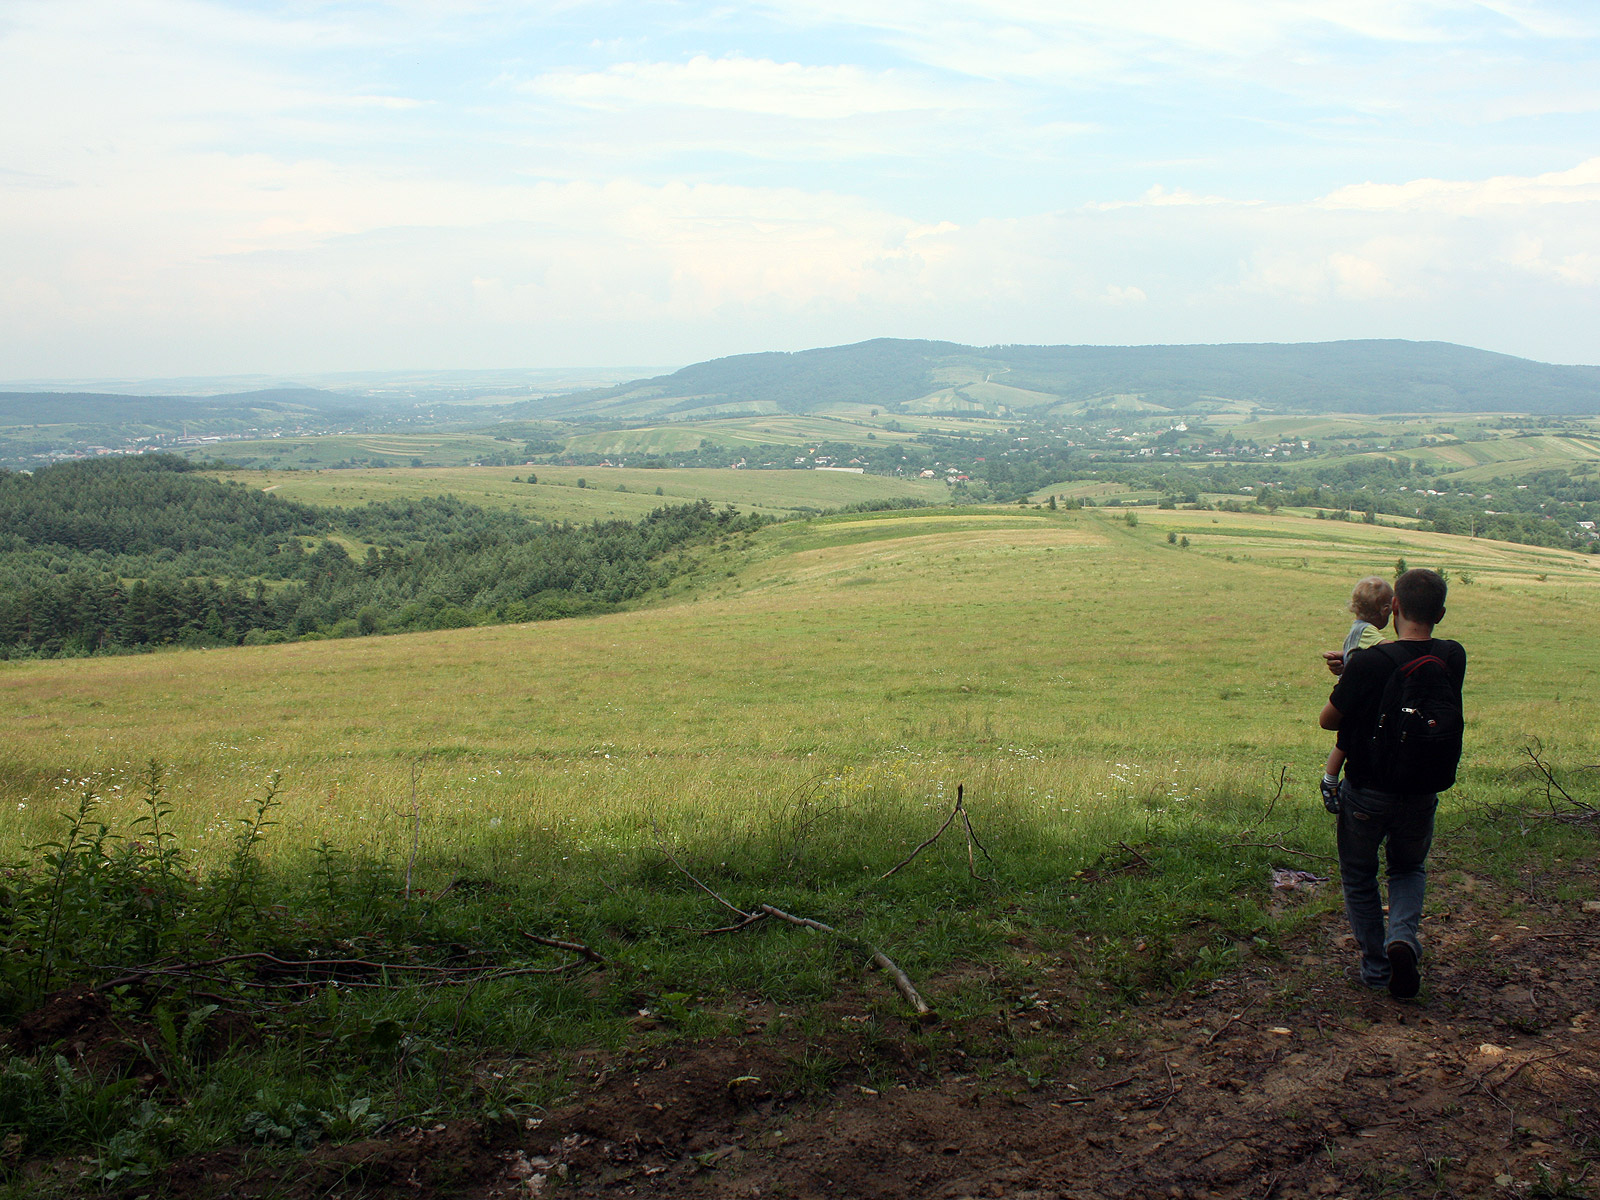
(1404, 980)
(1330, 795)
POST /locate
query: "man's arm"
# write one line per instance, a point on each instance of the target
(1330, 717)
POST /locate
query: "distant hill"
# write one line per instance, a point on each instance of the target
(1375, 377)
(99, 408)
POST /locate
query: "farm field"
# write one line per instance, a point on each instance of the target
(1508, 458)
(326, 450)
(1265, 426)
(609, 492)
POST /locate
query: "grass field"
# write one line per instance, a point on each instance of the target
(315, 453)
(1070, 669)
(609, 492)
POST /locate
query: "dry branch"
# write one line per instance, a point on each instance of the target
(1286, 850)
(1283, 777)
(1238, 1016)
(902, 982)
(588, 952)
(960, 810)
(1580, 810)
(661, 844)
(749, 919)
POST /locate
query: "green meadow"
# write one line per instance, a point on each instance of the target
(1075, 672)
(314, 452)
(607, 492)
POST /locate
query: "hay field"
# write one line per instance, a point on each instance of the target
(557, 497)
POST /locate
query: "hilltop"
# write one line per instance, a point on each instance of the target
(1044, 381)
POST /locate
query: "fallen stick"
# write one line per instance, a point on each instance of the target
(1172, 1088)
(902, 982)
(1283, 777)
(1286, 850)
(661, 845)
(960, 810)
(750, 919)
(591, 954)
(1230, 1021)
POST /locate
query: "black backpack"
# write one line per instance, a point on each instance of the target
(1417, 742)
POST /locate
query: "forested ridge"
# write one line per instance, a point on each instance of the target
(1371, 376)
(124, 554)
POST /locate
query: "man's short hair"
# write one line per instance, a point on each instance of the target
(1370, 600)
(1421, 594)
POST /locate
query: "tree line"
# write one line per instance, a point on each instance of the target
(133, 553)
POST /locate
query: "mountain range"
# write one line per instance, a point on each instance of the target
(1374, 377)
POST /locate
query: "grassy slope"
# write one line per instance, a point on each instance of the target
(1511, 457)
(1064, 666)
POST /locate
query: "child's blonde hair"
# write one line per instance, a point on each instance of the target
(1370, 600)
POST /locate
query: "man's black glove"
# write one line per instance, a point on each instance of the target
(1330, 795)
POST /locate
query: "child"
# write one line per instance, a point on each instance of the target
(1370, 601)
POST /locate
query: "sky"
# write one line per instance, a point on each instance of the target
(202, 187)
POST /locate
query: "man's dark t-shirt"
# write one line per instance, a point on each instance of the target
(1359, 693)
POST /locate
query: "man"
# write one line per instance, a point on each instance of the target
(1397, 710)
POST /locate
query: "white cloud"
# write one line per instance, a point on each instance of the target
(1578, 186)
(748, 85)
(1159, 196)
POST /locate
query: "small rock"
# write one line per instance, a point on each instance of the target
(1280, 1031)
(1591, 906)
(1490, 1050)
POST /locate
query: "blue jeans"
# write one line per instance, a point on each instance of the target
(1366, 819)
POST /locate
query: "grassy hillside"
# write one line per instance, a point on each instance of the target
(1507, 458)
(1063, 666)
